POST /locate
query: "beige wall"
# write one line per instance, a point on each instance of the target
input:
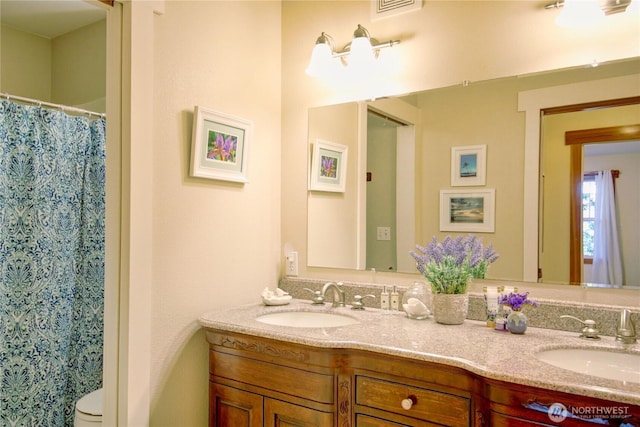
(68, 70)
(25, 60)
(478, 114)
(79, 66)
(214, 244)
(333, 227)
(497, 41)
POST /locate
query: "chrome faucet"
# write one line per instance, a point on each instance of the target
(626, 332)
(338, 293)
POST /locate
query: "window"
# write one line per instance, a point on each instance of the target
(588, 216)
(589, 212)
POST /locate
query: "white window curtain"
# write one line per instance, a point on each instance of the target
(607, 262)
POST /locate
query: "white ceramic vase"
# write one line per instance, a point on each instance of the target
(450, 309)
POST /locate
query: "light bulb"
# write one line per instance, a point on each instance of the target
(580, 13)
(362, 55)
(322, 60)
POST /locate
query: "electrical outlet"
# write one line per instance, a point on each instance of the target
(292, 264)
(384, 233)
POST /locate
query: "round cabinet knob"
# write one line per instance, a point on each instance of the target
(408, 402)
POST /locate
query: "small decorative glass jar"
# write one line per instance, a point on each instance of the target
(416, 301)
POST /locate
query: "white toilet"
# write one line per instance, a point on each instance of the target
(89, 410)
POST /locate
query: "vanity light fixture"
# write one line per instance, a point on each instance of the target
(360, 54)
(582, 13)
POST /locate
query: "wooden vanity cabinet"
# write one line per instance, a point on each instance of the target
(514, 405)
(255, 382)
(260, 382)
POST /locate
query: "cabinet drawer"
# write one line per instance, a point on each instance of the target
(296, 382)
(429, 405)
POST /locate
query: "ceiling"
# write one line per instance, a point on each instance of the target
(627, 147)
(49, 18)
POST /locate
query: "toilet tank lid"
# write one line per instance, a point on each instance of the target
(91, 403)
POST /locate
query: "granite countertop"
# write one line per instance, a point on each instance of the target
(471, 346)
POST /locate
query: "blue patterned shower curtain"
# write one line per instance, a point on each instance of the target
(52, 214)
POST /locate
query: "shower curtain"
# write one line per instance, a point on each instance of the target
(52, 214)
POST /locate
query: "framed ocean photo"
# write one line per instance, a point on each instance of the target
(468, 165)
(467, 211)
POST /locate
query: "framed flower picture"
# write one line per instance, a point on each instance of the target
(468, 165)
(328, 166)
(220, 146)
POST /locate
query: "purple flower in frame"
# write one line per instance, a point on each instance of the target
(223, 147)
(328, 167)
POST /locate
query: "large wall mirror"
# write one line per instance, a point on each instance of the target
(344, 229)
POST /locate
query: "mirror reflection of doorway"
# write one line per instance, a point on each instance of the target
(381, 192)
(390, 209)
(599, 212)
(561, 223)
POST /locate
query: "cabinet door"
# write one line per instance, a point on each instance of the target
(282, 414)
(230, 407)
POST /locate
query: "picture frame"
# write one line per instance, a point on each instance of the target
(468, 165)
(467, 211)
(220, 146)
(328, 170)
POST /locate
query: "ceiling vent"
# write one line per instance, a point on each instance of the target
(381, 9)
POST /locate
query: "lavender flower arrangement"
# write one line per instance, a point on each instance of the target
(448, 265)
(516, 301)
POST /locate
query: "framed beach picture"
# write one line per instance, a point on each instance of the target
(468, 165)
(467, 211)
(220, 146)
(328, 166)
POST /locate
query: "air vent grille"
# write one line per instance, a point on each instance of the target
(386, 8)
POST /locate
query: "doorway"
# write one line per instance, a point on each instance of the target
(562, 167)
(112, 105)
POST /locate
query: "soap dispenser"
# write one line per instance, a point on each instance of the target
(395, 298)
(384, 299)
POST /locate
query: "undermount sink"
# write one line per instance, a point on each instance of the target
(307, 319)
(596, 362)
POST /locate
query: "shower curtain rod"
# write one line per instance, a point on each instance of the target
(39, 103)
